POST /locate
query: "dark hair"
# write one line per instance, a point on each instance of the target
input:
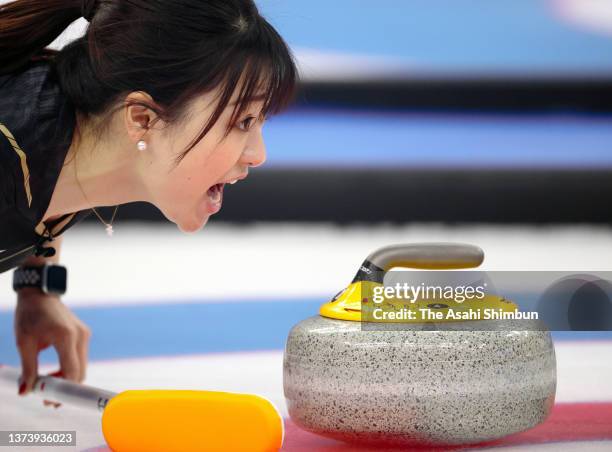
(174, 50)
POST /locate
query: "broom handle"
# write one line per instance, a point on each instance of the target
(60, 390)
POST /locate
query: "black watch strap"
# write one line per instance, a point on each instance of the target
(49, 279)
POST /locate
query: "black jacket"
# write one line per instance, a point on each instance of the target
(36, 126)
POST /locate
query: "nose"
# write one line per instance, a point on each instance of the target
(254, 154)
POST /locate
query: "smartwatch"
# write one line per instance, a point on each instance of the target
(50, 278)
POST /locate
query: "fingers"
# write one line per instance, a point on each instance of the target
(56, 374)
(83, 350)
(43, 346)
(67, 356)
(28, 352)
(67, 352)
(72, 350)
(41, 322)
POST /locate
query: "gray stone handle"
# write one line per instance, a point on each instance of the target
(430, 256)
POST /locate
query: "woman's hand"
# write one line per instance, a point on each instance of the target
(42, 320)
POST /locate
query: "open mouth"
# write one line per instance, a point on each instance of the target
(215, 194)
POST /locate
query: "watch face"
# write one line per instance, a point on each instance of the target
(56, 279)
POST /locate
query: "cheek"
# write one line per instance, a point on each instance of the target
(223, 159)
(177, 184)
(203, 167)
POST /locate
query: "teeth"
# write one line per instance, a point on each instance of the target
(215, 196)
(233, 181)
(215, 193)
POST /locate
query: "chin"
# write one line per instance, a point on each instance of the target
(191, 226)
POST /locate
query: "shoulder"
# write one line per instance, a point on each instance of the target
(32, 106)
(36, 127)
(32, 103)
(24, 89)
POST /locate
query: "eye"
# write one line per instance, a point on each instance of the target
(246, 124)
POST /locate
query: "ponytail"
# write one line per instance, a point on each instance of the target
(28, 26)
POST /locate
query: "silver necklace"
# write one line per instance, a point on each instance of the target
(109, 226)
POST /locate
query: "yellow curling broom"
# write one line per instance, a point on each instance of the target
(171, 420)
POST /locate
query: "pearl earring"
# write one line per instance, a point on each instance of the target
(142, 145)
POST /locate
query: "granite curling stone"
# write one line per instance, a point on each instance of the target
(423, 383)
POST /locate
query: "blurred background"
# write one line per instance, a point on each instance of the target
(479, 121)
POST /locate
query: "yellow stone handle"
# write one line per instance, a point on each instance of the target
(427, 256)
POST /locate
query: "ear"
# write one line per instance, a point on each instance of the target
(139, 117)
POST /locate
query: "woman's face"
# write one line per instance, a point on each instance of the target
(190, 192)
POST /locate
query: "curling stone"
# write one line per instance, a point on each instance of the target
(423, 383)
